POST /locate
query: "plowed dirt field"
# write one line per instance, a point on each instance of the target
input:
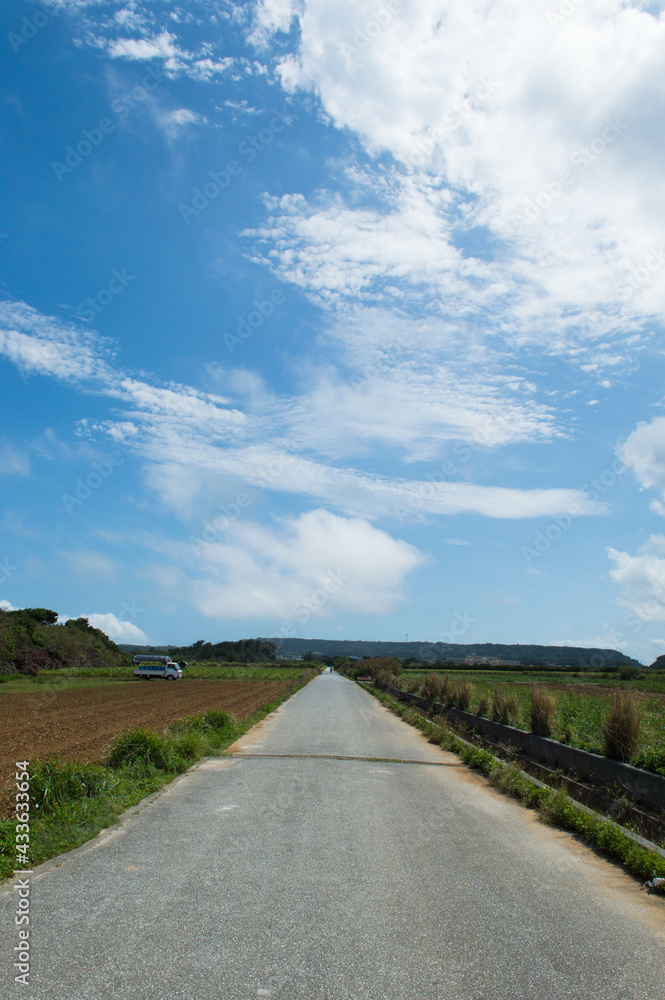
(82, 723)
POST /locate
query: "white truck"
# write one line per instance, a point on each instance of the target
(148, 666)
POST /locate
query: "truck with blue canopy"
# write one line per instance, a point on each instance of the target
(147, 666)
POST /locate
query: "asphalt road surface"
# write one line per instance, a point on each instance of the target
(296, 872)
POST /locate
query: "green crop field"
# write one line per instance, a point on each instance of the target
(580, 705)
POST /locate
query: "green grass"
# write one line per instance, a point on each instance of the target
(13, 684)
(555, 807)
(646, 680)
(71, 803)
(72, 678)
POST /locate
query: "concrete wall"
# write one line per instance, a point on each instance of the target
(645, 785)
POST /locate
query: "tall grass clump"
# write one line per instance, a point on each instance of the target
(432, 687)
(483, 705)
(542, 711)
(504, 706)
(140, 746)
(216, 726)
(463, 695)
(621, 728)
(53, 783)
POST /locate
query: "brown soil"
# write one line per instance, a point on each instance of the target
(598, 690)
(82, 723)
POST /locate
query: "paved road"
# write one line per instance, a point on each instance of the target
(320, 878)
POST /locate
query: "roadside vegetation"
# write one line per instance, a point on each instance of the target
(72, 802)
(604, 714)
(554, 806)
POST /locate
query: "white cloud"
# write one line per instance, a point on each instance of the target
(644, 452)
(145, 48)
(6, 606)
(115, 628)
(505, 195)
(184, 116)
(154, 41)
(311, 566)
(181, 426)
(46, 345)
(643, 580)
(271, 16)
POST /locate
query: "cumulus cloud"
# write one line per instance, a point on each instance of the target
(145, 48)
(114, 628)
(643, 579)
(6, 606)
(310, 566)
(644, 452)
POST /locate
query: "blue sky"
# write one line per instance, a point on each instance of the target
(335, 319)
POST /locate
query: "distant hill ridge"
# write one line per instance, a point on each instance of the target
(524, 654)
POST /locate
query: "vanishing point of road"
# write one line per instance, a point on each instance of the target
(337, 856)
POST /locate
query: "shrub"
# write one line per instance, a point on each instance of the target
(542, 711)
(30, 661)
(622, 726)
(483, 705)
(375, 664)
(385, 679)
(413, 685)
(628, 673)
